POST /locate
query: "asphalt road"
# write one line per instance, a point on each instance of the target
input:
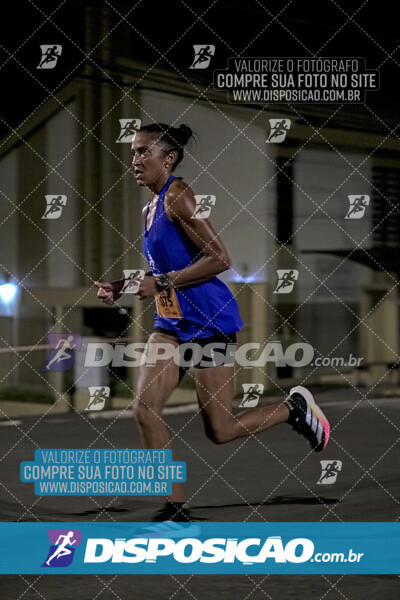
(271, 477)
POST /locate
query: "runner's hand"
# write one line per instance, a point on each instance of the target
(147, 287)
(109, 291)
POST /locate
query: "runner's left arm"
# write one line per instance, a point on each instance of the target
(213, 257)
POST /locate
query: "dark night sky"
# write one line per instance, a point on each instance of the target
(158, 25)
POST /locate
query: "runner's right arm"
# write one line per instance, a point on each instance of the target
(110, 291)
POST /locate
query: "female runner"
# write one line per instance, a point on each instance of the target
(185, 255)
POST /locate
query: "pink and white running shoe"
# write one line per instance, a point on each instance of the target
(307, 418)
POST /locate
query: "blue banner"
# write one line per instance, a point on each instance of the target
(111, 472)
(202, 548)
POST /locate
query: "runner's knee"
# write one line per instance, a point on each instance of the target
(219, 435)
(146, 416)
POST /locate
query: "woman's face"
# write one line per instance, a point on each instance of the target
(148, 158)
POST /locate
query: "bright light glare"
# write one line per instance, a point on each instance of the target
(8, 292)
(248, 279)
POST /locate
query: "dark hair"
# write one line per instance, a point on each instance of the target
(172, 138)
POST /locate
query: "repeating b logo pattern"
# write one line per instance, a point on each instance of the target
(252, 393)
(98, 396)
(329, 471)
(278, 130)
(204, 205)
(202, 56)
(132, 277)
(286, 280)
(128, 129)
(62, 547)
(357, 206)
(50, 55)
(54, 206)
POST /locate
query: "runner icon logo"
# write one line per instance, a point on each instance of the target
(98, 396)
(128, 129)
(50, 55)
(329, 471)
(202, 56)
(251, 394)
(61, 551)
(132, 277)
(204, 205)
(357, 206)
(278, 130)
(54, 206)
(286, 280)
(61, 356)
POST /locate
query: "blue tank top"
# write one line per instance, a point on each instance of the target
(208, 308)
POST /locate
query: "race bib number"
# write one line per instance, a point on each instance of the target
(167, 305)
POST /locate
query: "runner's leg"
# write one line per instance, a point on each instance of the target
(155, 385)
(215, 389)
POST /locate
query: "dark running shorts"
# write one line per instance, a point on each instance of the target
(225, 349)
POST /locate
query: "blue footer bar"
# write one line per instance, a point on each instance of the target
(199, 548)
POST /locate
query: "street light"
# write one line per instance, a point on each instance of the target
(8, 291)
(9, 308)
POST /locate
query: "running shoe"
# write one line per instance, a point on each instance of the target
(307, 418)
(172, 521)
